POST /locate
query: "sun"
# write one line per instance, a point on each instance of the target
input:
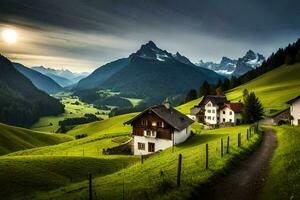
(10, 36)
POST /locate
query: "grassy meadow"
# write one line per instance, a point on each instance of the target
(15, 139)
(273, 88)
(283, 181)
(159, 171)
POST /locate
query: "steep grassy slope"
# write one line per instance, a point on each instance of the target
(284, 176)
(15, 139)
(273, 89)
(21, 177)
(157, 176)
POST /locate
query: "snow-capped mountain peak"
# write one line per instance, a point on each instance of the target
(235, 67)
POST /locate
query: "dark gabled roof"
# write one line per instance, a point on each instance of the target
(171, 116)
(216, 100)
(293, 100)
(235, 107)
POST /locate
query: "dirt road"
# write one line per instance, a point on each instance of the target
(246, 180)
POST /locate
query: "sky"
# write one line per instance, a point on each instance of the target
(82, 35)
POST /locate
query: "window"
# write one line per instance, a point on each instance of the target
(223, 111)
(160, 124)
(209, 111)
(141, 146)
(230, 120)
(153, 123)
(208, 105)
(213, 118)
(230, 113)
(223, 119)
(213, 111)
(144, 122)
(208, 117)
(149, 133)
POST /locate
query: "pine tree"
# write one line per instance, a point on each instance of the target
(253, 109)
(288, 60)
(191, 95)
(205, 89)
(297, 56)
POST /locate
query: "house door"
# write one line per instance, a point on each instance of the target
(151, 147)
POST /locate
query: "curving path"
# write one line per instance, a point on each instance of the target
(246, 181)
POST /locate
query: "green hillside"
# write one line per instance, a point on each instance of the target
(31, 174)
(273, 88)
(145, 180)
(14, 139)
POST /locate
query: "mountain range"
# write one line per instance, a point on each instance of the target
(21, 103)
(39, 80)
(235, 67)
(150, 73)
(63, 77)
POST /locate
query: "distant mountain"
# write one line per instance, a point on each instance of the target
(62, 77)
(39, 80)
(231, 67)
(21, 103)
(150, 73)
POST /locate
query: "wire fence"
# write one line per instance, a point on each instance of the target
(145, 179)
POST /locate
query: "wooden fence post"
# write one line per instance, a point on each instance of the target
(206, 162)
(247, 135)
(239, 140)
(221, 147)
(179, 169)
(142, 159)
(227, 151)
(90, 187)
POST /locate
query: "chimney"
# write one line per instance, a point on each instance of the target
(166, 103)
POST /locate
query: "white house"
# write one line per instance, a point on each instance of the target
(214, 110)
(158, 128)
(231, 113)
(295, 110)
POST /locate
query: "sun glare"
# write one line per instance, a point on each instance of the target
(9, 36)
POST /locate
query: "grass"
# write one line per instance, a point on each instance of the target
(71, 111)
(22, 176)
(111, 125)
(273, 88)
(145, 180)
(283, 181)
(14, 139)
(134, 101)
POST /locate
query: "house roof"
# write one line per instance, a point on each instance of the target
(216, 100)
(171, 116)
(235, 107)
(293, 100)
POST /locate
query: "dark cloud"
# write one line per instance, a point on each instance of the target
(200, 29)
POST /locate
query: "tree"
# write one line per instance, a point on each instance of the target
(191, 95)
(219, 91)
(297, 56)
(288, 60)
(226, 84)
(245, 94)
(205, 89)
(253, 109)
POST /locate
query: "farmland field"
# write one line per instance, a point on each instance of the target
(73, 108)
